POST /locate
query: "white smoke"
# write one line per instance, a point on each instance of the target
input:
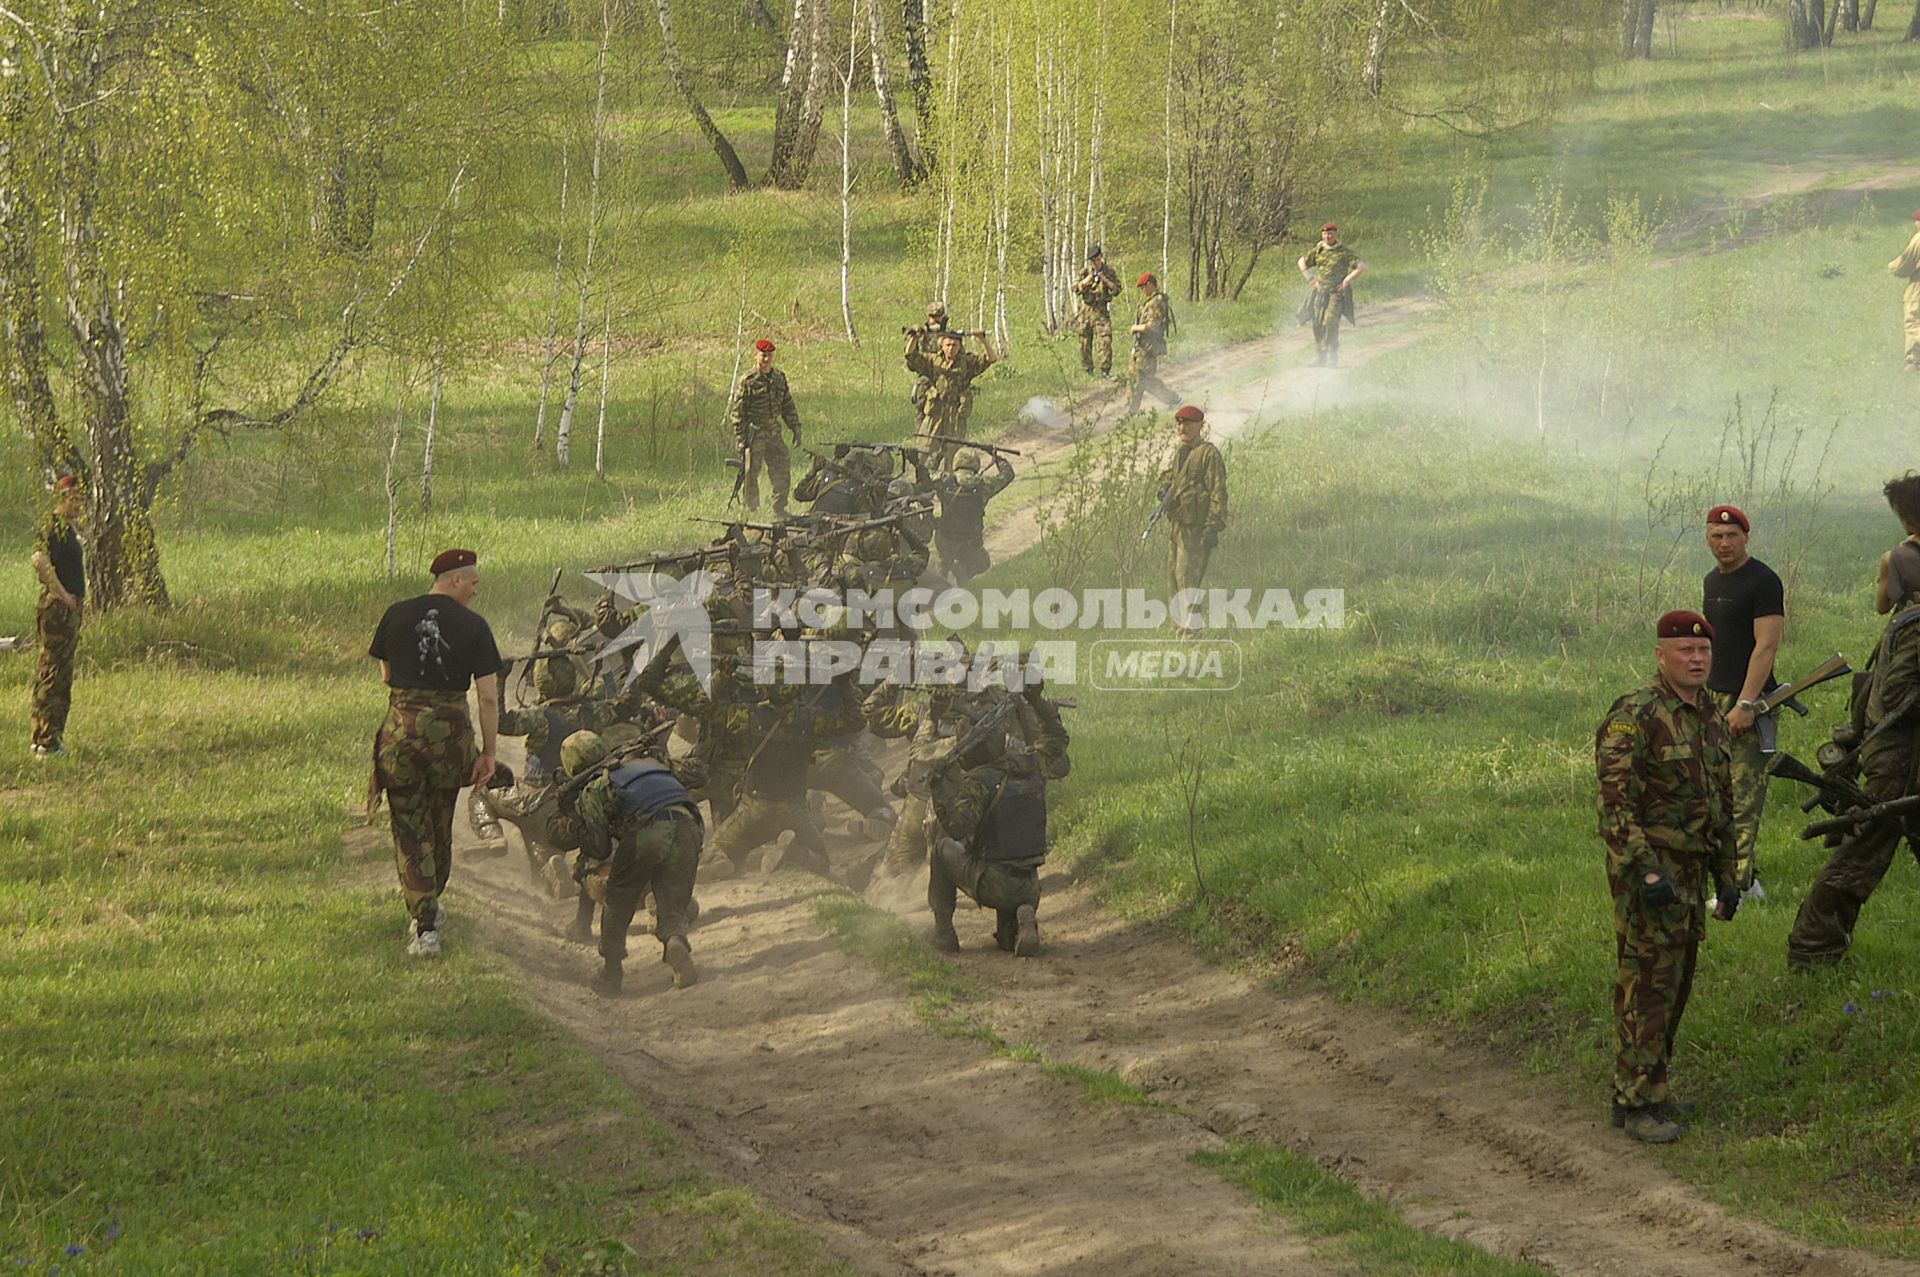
(1045, 412)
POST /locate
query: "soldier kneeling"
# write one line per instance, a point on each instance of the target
(994, 822)
(635, 823)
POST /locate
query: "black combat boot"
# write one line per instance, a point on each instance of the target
(945, 938)
(1026, 938)
(678, 954)
(580, 930)
(607, 980)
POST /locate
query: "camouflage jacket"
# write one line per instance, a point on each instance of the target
(761, 402)
(1896, 668)
(1095, 288)
(1330, 264)
(1197, 484)
(1666, 790)
(962, 797)
(1156, 313)
(949, 384)
(596, 821)
(964, 497)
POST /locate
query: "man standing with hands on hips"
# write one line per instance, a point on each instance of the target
(1745, 604)
(429, 649)
(1666, 817)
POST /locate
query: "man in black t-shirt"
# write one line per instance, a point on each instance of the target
(429, 649)
(1746, 605)
(60, 564)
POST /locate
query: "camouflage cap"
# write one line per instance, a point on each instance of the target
(580, 751)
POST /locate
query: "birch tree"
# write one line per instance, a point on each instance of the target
(563, 433)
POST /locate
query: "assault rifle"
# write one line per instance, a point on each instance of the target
(614, 757)
(969, 443)
(702, 555)
(739, 467)
(1783, 697)
(1159, 512)
(1896, 809)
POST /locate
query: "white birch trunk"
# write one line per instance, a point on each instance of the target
(1166, 136)
(606, 367)
(1004, 213)
(953, 143)
(433, 431)
(563, 434)
(1042, 75)
(846, 176)
(553, 309)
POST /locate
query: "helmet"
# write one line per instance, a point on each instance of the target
(554, 676)
(967, 459)
(936, 310)
(899, 488)
(561, 630)
(580, 751)
(620, 735)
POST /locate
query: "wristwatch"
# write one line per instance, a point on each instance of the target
(1752, 707)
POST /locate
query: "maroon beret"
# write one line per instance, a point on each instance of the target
(1328, 226)
(764, 344)
(66, 483)
(1189, 413)
(449, 560)
(1145, 279)
(1728, 514)
(1684, 625)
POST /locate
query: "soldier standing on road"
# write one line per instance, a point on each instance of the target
(1097, 286)
(927, 338)
(429, 649)
(1745, 604)
(1331, 267)
(1194, 490)
(1150, 325)
(60, 563)
(1824, 928)
(1666, 816)
(1907, 267)
(761, 403)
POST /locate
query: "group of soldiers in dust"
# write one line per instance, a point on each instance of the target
(626, 740)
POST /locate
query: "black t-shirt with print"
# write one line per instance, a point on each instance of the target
(435, 643)
(1731, 602)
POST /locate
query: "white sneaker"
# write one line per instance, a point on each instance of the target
(425, 944)
(55, 750)
(1754, 893)
(439, 914)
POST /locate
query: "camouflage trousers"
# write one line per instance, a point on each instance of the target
(58, 628)
(661, 856)
(1096, 338)
(908, 843)
(946, 421)
(961, 558)
(1911, 323)
(1187, 556)
(1000, 887)
(758, 820)
(768, 452)
(1654, 955)
(1143, 371)
(1326, 322)
(1824, 926)
(1749, 768)
(839, 771)
(422, 755)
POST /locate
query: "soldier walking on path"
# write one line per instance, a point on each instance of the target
(761, 404)
(1097, 286)
(1150, 325)
(1193, 492)
(429, 649)
(1331, 267)
(1745, 604)
(1666, 816)
(60, 563)
(1907, 267)
(1824, 928)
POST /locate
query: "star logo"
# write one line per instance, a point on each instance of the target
(666, 608)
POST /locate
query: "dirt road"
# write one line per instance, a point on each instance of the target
(798, 1070)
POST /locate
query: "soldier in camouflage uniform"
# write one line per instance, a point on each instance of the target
(1889, 752)
(1150, 325)
(1097, 286)
(59, 561)
(635, 823)
(931, 721)
(949, 400)
(856, 482)
(1331, 267)
(994, 821)
(1194, 488)
(927, 339)
(1666, 816)
(960, 532)
(429, 649)
(761, 403)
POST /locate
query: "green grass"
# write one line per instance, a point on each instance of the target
(212, 1043)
